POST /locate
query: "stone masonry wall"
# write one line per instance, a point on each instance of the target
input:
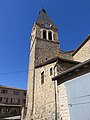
(41, 98)
(44, 106)
(45, 50)
(38, 32)
(41, 50)
(29, 99)
(63, 103)
(44, 101)
(84, 53)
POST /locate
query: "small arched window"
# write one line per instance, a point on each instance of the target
(50, 35)
(42, 77)
(51, 71)
(44, 34)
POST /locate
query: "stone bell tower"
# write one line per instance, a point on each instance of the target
(44, 46)
(45, 38)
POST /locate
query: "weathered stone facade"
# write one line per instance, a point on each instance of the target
(44, 104)
(43, 98)
(83, 53)
(41, 50)
(45, 50)
(63, 103)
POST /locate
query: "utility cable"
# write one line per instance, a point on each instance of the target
(15, 72)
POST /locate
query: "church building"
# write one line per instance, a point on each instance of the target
(48, 61)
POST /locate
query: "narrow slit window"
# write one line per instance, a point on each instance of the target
(42, 77)
(50, 35)
(51, 71)
(44, 34)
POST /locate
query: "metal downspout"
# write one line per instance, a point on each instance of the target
(55, 99)
(33, 95)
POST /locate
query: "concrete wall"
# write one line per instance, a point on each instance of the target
(84, 53)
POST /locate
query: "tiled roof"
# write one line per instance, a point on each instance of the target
(78, 66)
(55, 59)
(13, 88)
(66, 55)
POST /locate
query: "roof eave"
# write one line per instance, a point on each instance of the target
(55, 59)
(71, 69)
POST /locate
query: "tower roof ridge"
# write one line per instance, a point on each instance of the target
(43, 9)
(43, 18)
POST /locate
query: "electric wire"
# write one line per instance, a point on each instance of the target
(15, 72)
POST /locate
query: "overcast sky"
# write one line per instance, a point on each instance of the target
(16, 20)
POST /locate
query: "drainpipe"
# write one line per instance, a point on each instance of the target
(55, 99)
(33, 92)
